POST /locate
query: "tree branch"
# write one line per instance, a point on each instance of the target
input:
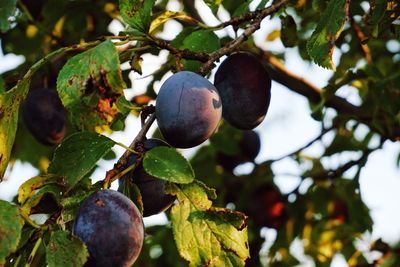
(231, 46)
(310, 143)
(120, 165)
(301, 86)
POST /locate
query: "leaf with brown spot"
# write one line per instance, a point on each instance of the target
(65, 250)
(89, 84)
(204, 235)
(10, 229)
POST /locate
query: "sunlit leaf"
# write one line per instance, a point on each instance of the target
(205, 235)
(137, 13)
(89, 84)
(321, 44)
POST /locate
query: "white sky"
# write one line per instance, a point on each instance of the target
(287, 127)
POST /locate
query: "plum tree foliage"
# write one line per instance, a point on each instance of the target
(57, 107)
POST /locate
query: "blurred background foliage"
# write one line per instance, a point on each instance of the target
(329, 216)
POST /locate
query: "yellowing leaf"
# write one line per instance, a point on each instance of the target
(321, 44)
(207, 236)
(273, 35)
(167, 15)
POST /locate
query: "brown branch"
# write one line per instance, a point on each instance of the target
(310, 143)
(184, 53)
(122, 162)
(337, 173)
(231, 46)
(301, 86)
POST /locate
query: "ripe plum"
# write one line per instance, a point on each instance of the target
(44, 116)
(188, 109)
(151, 188)
(245, 89)
(112, 228)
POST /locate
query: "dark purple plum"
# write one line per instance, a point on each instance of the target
(112, 228)
(151, 188)
(44, 116)
(188, 109)
(249, 145)
(268, 207)
(245, 89)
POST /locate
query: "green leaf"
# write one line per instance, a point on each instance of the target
(242, 9)
(2, 85)
(89, 84)
(137, 13)
(213, 4)
(72, 202)
(195, 42)
(207, 236)
(132, 191)
(168, 164)
(227, 140)
(10, 229)
(288, 31)
(7, 9)
(78, 154)
(320, 45)
(65, 250)
(9, 110)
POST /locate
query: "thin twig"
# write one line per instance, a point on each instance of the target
(122, 162)
(183, 53)
(298, 84)
(323, 132)
(338, 172)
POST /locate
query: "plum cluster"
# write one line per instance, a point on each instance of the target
(189, 107)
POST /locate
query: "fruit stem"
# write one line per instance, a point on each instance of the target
(115, 173)
(33, 252)
(119, 175)
(126, 147)
(16, 263)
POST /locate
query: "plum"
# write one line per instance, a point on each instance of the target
(338, 210)
(245, 89)
(188, 109)
(249, 145)
(44, 116)
(268, 207)
(151, 188)
(112, 228)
